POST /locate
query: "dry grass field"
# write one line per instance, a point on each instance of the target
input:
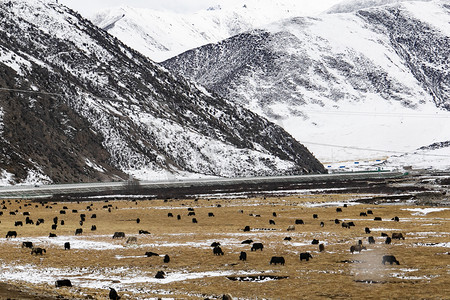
(97, 262)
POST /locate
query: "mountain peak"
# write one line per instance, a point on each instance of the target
(213, 8)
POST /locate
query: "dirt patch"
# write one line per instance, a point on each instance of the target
(9, 291)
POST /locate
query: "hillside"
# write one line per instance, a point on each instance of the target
(78, 105)
(360, 86)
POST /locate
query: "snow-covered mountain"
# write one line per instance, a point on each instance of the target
(353, 86)
(161, 35)
(76, 104)
(354, 5)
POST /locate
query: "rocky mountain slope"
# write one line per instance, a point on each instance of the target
(353, 86)
(161, 35)
(77, 105)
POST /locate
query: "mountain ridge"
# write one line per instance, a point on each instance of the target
(161, 34)
(355, 5)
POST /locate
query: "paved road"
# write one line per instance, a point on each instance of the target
(43, 191)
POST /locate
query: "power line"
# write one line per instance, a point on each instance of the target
(50, 94)
(373, 150)
(32, 92)
(311, 143)
(323, 112)
(380, 114)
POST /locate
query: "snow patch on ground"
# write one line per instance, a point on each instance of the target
(424, 211)
(327, 204)
(76, 242)
(300, 244)
(102, 278)
(129, 256)
(444, 245)
(411, 277)
(385, 229)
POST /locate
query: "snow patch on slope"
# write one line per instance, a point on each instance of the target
(431, 14)
(14, 61)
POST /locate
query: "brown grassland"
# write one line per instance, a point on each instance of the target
(423, 273)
